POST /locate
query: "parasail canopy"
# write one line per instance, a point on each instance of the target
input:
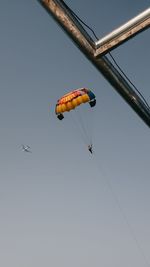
(73, 99)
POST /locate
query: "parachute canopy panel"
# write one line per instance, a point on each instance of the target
(73, 99)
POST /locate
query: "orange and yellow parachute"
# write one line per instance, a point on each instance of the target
(73, 99)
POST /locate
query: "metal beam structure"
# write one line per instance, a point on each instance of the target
(123, 33)
(65, 18)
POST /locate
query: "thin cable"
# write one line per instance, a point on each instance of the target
(122, 212)
(67, 7)
(129, 80)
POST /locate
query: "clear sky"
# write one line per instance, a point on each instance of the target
(59, 206)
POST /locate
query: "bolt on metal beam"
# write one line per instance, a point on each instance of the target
(64, 17)
(123, 33)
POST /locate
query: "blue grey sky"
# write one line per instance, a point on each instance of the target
(59, 206)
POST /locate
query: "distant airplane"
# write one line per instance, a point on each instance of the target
(26, 148)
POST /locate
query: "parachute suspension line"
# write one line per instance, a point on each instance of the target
(82, 123)
(87, 123)
(92, 124)
(76, 124)
(124, 216)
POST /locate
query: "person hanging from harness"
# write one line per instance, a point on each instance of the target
(90, 148)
